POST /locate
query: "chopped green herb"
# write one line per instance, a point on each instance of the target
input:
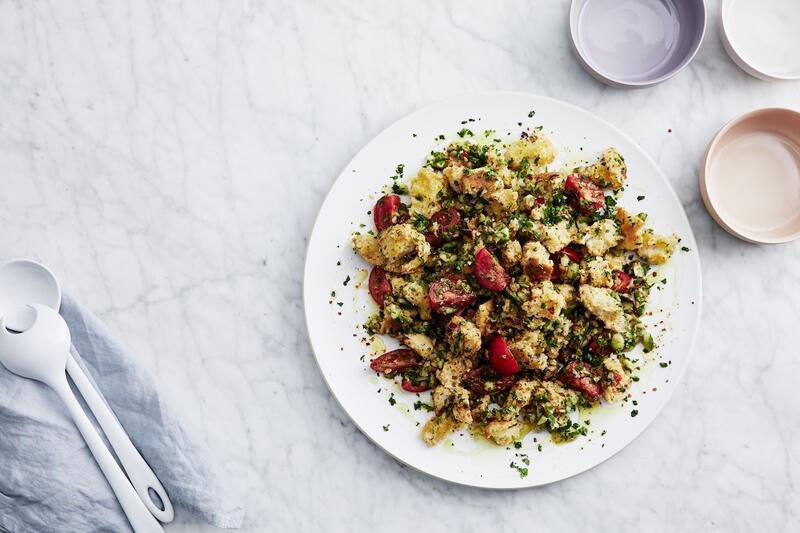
(465, 132)
(640, 197)
(663, 364)
(346, 281)
(386, 427)
(419, 404)
(634, 413)
(530, 114)
(523, 471)
(684, 248)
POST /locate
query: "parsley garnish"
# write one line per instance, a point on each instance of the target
(419, 404)
(523, 471)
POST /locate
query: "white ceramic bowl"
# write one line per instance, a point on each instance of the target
(750, 179)
(332, 317)
(763, 37)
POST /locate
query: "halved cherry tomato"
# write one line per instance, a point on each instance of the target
(599, 349)
(574, 255)
(379, 285)
(406, 384)
(501, 358)
(580, 376)
(485, 380)
(489, 271)
(444, 222)
(448, 296)
(396, 360)
(622, 281)
(589, 195)
(385, 211)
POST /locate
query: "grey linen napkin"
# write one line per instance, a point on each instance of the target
(48, 478)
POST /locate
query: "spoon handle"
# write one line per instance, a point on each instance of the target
(140, 518)
(141, 475)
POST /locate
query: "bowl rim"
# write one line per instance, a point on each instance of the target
(622, 83)
(739, 59)
(705, 171)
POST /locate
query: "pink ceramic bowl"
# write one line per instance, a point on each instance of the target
(750, 180)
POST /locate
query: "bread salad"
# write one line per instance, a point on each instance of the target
(515, 291)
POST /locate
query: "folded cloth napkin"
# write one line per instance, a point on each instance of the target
(48, 478)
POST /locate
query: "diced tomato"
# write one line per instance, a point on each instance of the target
(396, 360)
(448, 296)
(622, 282)
(589, 195)
(407, 385)
(379, 285)
(501, 358)
(489, 271)
(485, 380)
(444, 222)
(580, 376)
(385, 211)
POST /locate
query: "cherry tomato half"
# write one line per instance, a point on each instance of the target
(580, 376)
(489, 271)
(599, 349)
(385, 211)
(485, 380)
(501, 358)
(622, 282)
(379, 285)
(444, 222)
(448, 295)
(396, 360)
(590, 197)
(573, 254)
(407, 385)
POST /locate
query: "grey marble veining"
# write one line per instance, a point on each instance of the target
(167, 159)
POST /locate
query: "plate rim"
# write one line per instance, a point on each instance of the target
(698, 302)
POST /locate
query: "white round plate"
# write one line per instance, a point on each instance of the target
(333, 321)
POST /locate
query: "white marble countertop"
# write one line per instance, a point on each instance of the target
(167, 159)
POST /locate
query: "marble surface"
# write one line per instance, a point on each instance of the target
(167, 159)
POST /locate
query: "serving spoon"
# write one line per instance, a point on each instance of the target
(37, 347)
(23, 281)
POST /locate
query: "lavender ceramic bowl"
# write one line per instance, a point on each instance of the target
(636, 43)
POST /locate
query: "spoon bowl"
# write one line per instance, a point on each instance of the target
(37, 347)
(22, 282)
